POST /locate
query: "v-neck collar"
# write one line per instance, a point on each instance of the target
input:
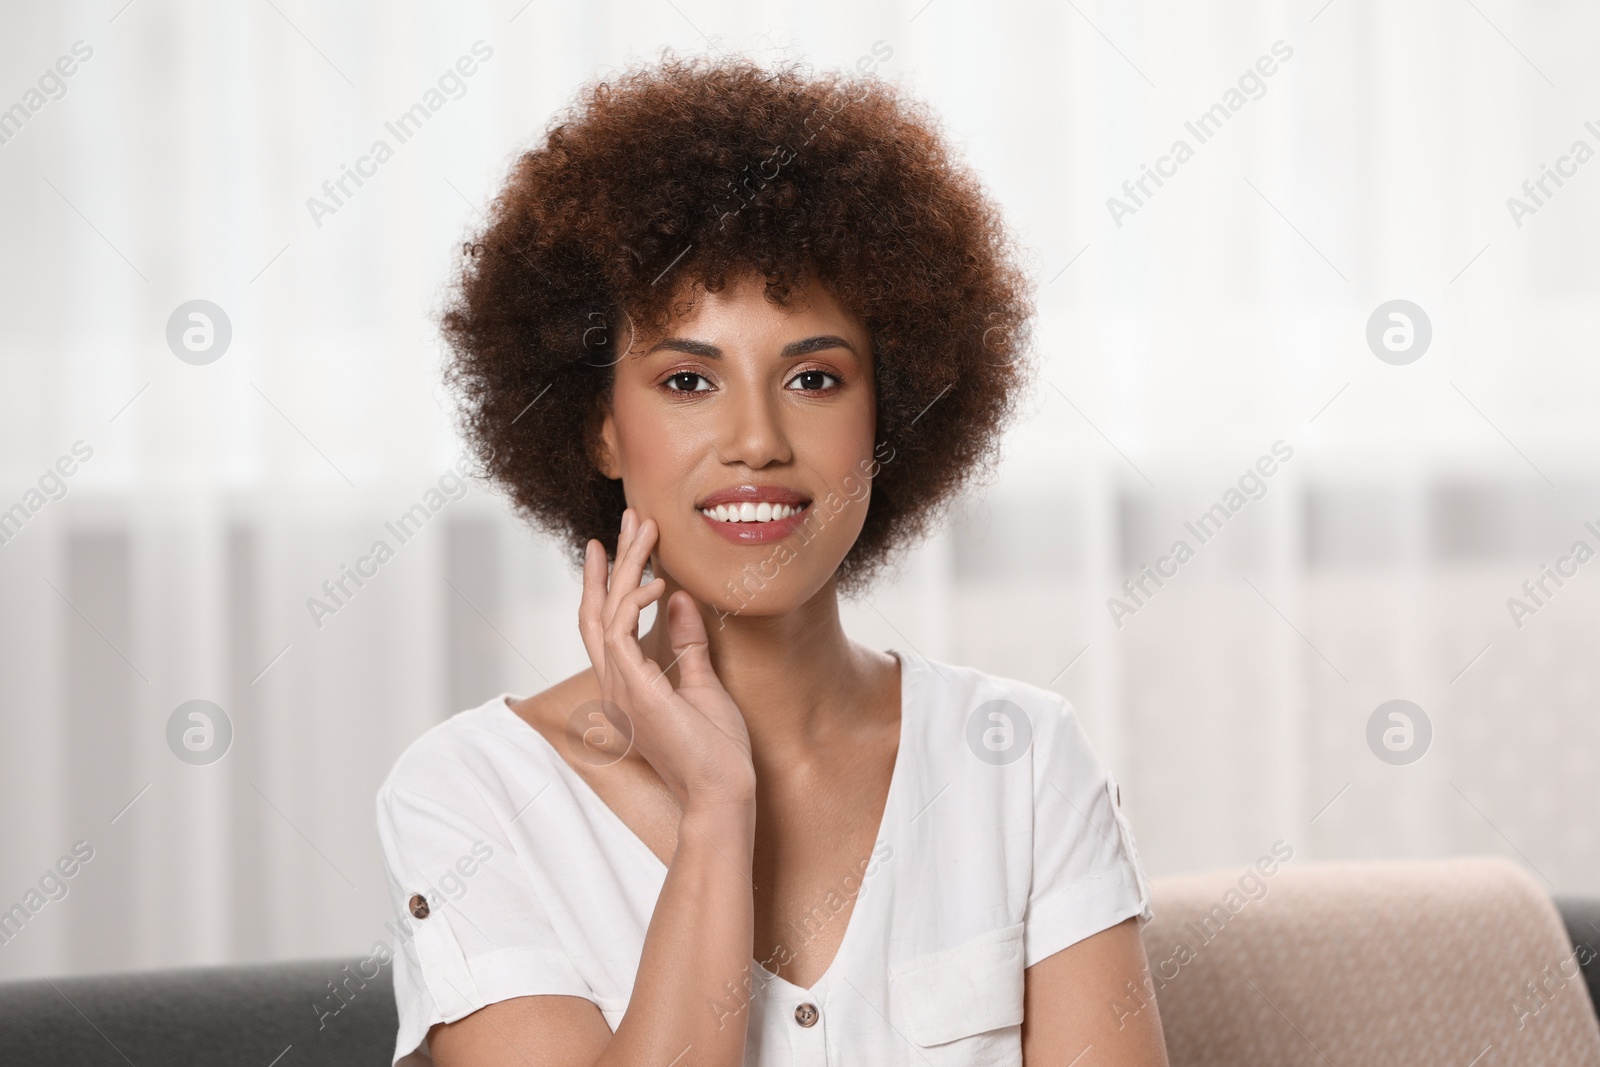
(910, 672)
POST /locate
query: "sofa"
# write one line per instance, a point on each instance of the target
(1466, 962)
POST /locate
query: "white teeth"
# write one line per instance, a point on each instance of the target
(765, 511)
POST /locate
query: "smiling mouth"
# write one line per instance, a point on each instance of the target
(753, 512)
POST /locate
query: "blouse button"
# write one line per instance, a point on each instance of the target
(419, 906)
(806, 1014)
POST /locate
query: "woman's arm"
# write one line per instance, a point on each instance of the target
(698, 947)
(699, 940)
(1079, 998)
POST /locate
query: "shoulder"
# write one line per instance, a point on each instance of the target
(1004, 722)
(950, 692)
(451, 755)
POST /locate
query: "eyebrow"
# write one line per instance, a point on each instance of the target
(793, 348)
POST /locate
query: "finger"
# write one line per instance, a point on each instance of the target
(609, 588)
(626, 530)
(690, 648)
(624, 540)
(591, 627)
(629, 569)
(622, 642)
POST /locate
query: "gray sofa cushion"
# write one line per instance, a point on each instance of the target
(213, 1016)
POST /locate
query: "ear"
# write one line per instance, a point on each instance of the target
(604, 449)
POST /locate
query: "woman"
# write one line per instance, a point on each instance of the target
(748, 331)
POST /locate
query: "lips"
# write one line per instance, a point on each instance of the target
(754, 514)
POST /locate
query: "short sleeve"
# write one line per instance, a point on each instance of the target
(482, 934)
(1087, 875)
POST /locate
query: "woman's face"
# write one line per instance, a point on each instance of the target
(746, 408)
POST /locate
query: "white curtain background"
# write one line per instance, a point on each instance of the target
(1227, 313)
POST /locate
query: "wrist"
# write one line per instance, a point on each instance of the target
(730, 795)
(723, 822)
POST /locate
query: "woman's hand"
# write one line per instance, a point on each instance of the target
(694, 736)
(700, 938)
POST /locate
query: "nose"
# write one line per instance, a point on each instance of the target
(755, 435)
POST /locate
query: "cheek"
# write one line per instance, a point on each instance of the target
(842, 452)
(655, 449)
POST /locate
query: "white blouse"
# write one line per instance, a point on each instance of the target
(1002, 842)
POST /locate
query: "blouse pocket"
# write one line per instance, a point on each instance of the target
(963, 1005)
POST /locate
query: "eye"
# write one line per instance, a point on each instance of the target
(683, 382)
(812, 380)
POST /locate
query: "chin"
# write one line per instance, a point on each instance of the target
(756, 583)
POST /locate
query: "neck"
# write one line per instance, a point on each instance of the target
(795, 676)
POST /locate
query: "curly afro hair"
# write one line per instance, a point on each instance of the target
(691, 170)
